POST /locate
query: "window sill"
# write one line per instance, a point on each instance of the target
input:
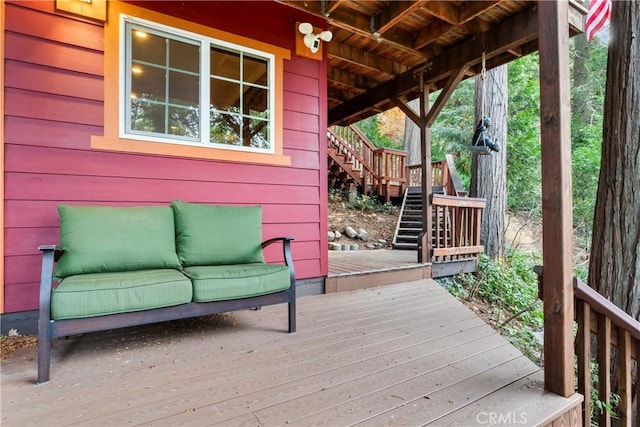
(176, 150)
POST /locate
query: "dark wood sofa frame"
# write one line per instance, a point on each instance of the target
(49, 328)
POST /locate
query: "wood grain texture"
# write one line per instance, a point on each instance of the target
(408, 353)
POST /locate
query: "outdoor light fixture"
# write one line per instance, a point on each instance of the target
(312, 41)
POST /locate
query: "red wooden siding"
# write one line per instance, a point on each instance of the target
(54, 103)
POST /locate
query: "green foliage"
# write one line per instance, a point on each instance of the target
(454, 127)
(523, 135)
(510, 287)
(599, 406)
(366, 203)
(370, 128)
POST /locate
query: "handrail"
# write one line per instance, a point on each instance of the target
(380, 169)
(598, 317)
(457, 188)
(443, 173)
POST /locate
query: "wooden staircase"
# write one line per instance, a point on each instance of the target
(410, 220)
(456, 220)
(352, 158)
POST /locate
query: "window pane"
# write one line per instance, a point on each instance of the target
(184, 89)
(255, 70)
(148, 82)
(256, 133)
(225, 63)
(225, 95)
(184, 122)
(184, 56)
(256, 101)
(148, 47)
(147, 117)
(225, 128)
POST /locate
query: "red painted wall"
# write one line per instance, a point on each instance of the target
(54, 103)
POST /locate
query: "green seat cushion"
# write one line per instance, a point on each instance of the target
(99, 239)
(217, 235)
(223, 282)
(98, 294)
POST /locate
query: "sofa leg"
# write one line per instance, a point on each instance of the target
(44, 358)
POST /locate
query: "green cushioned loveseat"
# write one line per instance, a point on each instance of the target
(126, 266)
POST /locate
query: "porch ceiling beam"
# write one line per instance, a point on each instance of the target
(344, 52)
(395, 12)
(360, 24)
(505, 36)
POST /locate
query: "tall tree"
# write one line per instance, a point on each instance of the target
(411, 140)
(488, 172)
(614, 268)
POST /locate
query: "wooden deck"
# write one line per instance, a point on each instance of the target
(407, 354)
(349, 270)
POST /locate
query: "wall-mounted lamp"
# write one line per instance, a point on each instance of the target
(312, 41)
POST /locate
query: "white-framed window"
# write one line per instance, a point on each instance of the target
(185, 88)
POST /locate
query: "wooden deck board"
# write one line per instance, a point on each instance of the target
(357, 262)
(368, 356)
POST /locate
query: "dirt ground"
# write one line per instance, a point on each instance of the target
(379, 225)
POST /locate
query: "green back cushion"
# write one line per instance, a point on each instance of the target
(99, 239)
(217, 235)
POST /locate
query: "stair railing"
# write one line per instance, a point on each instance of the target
(389, 167)
(601, 322)
(443, 173)
(382, 170)
(457, 223)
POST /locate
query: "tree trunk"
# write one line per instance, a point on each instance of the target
(411, 140)
(488, 172)
(580, 102)
(614, 268)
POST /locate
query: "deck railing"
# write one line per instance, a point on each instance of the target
(603, 330)
(457, 223)
(381, 170)
(443, 173)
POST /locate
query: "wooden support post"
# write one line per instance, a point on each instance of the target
(425, 239)
(555, 121)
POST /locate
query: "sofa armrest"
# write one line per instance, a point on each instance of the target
(286, 248)
(286, 252)
(50, 254)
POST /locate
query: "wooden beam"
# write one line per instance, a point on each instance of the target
(368, 61)
(395, 12)
(445, 94)
(506, 35)
(407, 110)
(425, 243)
(359, 23)
(555, 121)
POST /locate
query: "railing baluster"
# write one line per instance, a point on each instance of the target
(623, 368)
(584, 358)
(604, 367)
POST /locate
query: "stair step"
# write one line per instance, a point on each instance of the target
(410, 230)
(405, 246)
